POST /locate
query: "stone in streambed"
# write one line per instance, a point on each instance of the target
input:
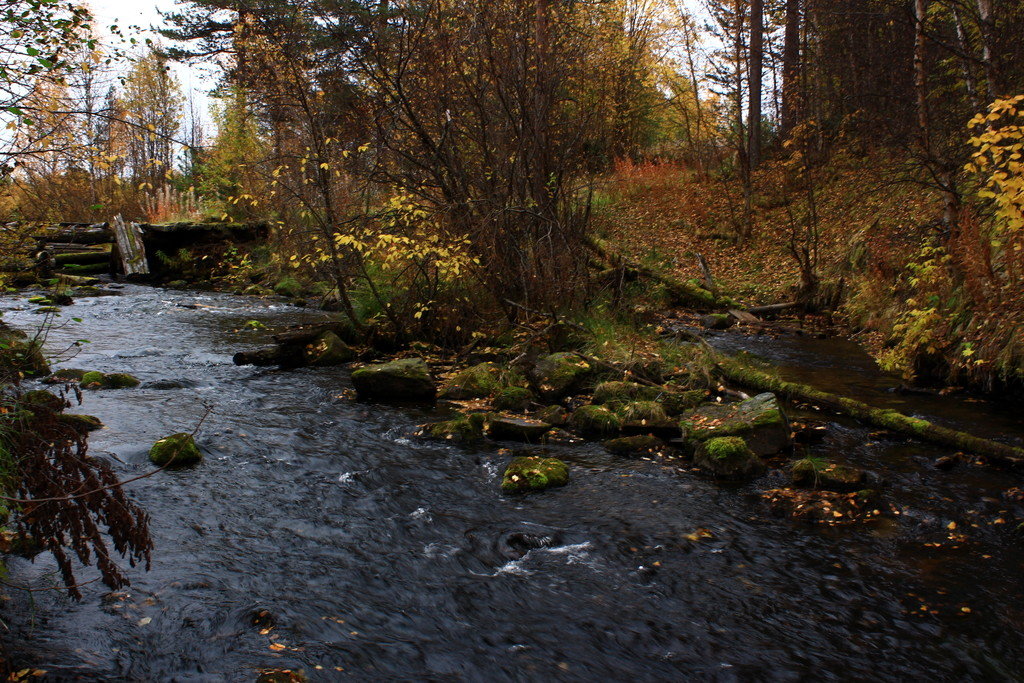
(177, 450)
(514, 399)
(461, 428)
(115, 380)
(81, 423)
(554, 415)
(534, 474)
(68, 375)
(478, 381)
(407, 379)
(759, 420)
(328, 349)
(728, 458)
(505, 428)
(561, 374)
(830, 477)
(633, 445)
(594, 420)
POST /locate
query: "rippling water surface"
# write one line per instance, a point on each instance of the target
(381, 555)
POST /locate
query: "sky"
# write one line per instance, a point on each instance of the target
(145, 14)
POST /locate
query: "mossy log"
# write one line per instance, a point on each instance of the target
(740, 373)
(685, 293)
(82, 257)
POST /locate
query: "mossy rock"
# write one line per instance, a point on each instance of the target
(288, 287)
(677, 402)
(830, 477)
(81, 423)
(624, 392)
(515, 399)
(717, 321)
(728, 458)
(18, 354)
(759, 420)
(177, 450)
(479, 381)
(115, 380)
(633, 445)
(177, 284)
(42, 398)
(89, 290)
(534, 474)
(649, 412)
(407, 379)
(47, 309)
(328, 349)
(92, 380)
(40, 300)
(561, 374)
(120, 380)
(595, 421)
(65, 375)
(462, 428)
(554, 415)
(505, 428)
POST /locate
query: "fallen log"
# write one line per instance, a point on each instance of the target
(685, 293)
(84, 269)
(306, 334)
(88, 235)
(81, 257)
(886, 418)
(772, 309)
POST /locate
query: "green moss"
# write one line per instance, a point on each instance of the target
(39, 397)
(40, 300)
(66, 375)
(289, 287)
(595, 420)
(553, 415)
(676, 402)
(516, 399)
(406, 379)
(561, 374)
(534, 474)
(728, 458)
(816, 473)
(84, 423)
(462, 428)
(726, 447)
(643, 411)
(327, 350)
(478, 381)
(623, 392)
(92, 380)
(120, 380)
(177, 450)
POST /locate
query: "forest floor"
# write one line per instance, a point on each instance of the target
(664, 214)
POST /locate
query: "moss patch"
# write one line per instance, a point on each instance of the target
(595, 421)
(534, 474)
(515, 399)
(728, 458)
(177, 450)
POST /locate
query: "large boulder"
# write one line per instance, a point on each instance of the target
(515, 399)
(759, 420)
(328, 349)
(561, 374)
(176, 450)
(728, 458)
(533, 474)
(407, 379)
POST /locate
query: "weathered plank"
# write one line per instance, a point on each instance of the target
(131, 247)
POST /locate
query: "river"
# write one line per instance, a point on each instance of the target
(320, 534)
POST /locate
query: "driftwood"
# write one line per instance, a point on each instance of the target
(130, 247)
(81, 257)
(93, 234)
(742, 374)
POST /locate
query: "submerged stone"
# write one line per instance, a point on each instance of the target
(115, 380)
(407, 379)
(177, 450)
(728, 458)
(759, 420)
(68, 375)
(831, 477)
(534, 474)
(632, 445)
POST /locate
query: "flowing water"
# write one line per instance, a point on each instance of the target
(378, 555)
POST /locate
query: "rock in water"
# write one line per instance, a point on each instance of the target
(177, 450)
(759, 420)
(831, 477)
(515, 399)
(595, 421)
(534, 474)
(328, 349)
(81, 423)
(115, 380)
(478, 381)
(407, 379)
(728, 458)
(634, 445)
(505, 428)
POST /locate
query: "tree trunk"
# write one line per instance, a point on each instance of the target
(755, 84)
(791, 68)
